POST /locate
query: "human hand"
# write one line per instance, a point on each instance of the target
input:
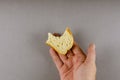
(75, 65)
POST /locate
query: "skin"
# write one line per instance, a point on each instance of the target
(76, 65)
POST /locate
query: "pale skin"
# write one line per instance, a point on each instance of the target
(76, 65)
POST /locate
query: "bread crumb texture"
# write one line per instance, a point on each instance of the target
(61, 44)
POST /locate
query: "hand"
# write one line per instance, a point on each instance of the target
(75, 65)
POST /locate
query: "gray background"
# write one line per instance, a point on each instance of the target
(24, 25)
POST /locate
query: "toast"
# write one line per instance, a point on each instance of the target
(61, 44)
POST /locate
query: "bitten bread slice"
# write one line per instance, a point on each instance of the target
(63, 43)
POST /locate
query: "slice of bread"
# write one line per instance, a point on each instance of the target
(62, 43)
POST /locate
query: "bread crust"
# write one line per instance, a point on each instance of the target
(69, 31)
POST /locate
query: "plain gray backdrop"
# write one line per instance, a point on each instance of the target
(24, 25)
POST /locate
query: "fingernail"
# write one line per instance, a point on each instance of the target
(92, 46)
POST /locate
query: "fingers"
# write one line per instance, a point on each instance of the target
(69, 54)
(63, 57)
(91, 56)
(57, 34)
(77, 50)
(56, 58)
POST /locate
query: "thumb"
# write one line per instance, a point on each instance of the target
(91, 56)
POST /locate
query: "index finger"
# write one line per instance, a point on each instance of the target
(56, 58)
